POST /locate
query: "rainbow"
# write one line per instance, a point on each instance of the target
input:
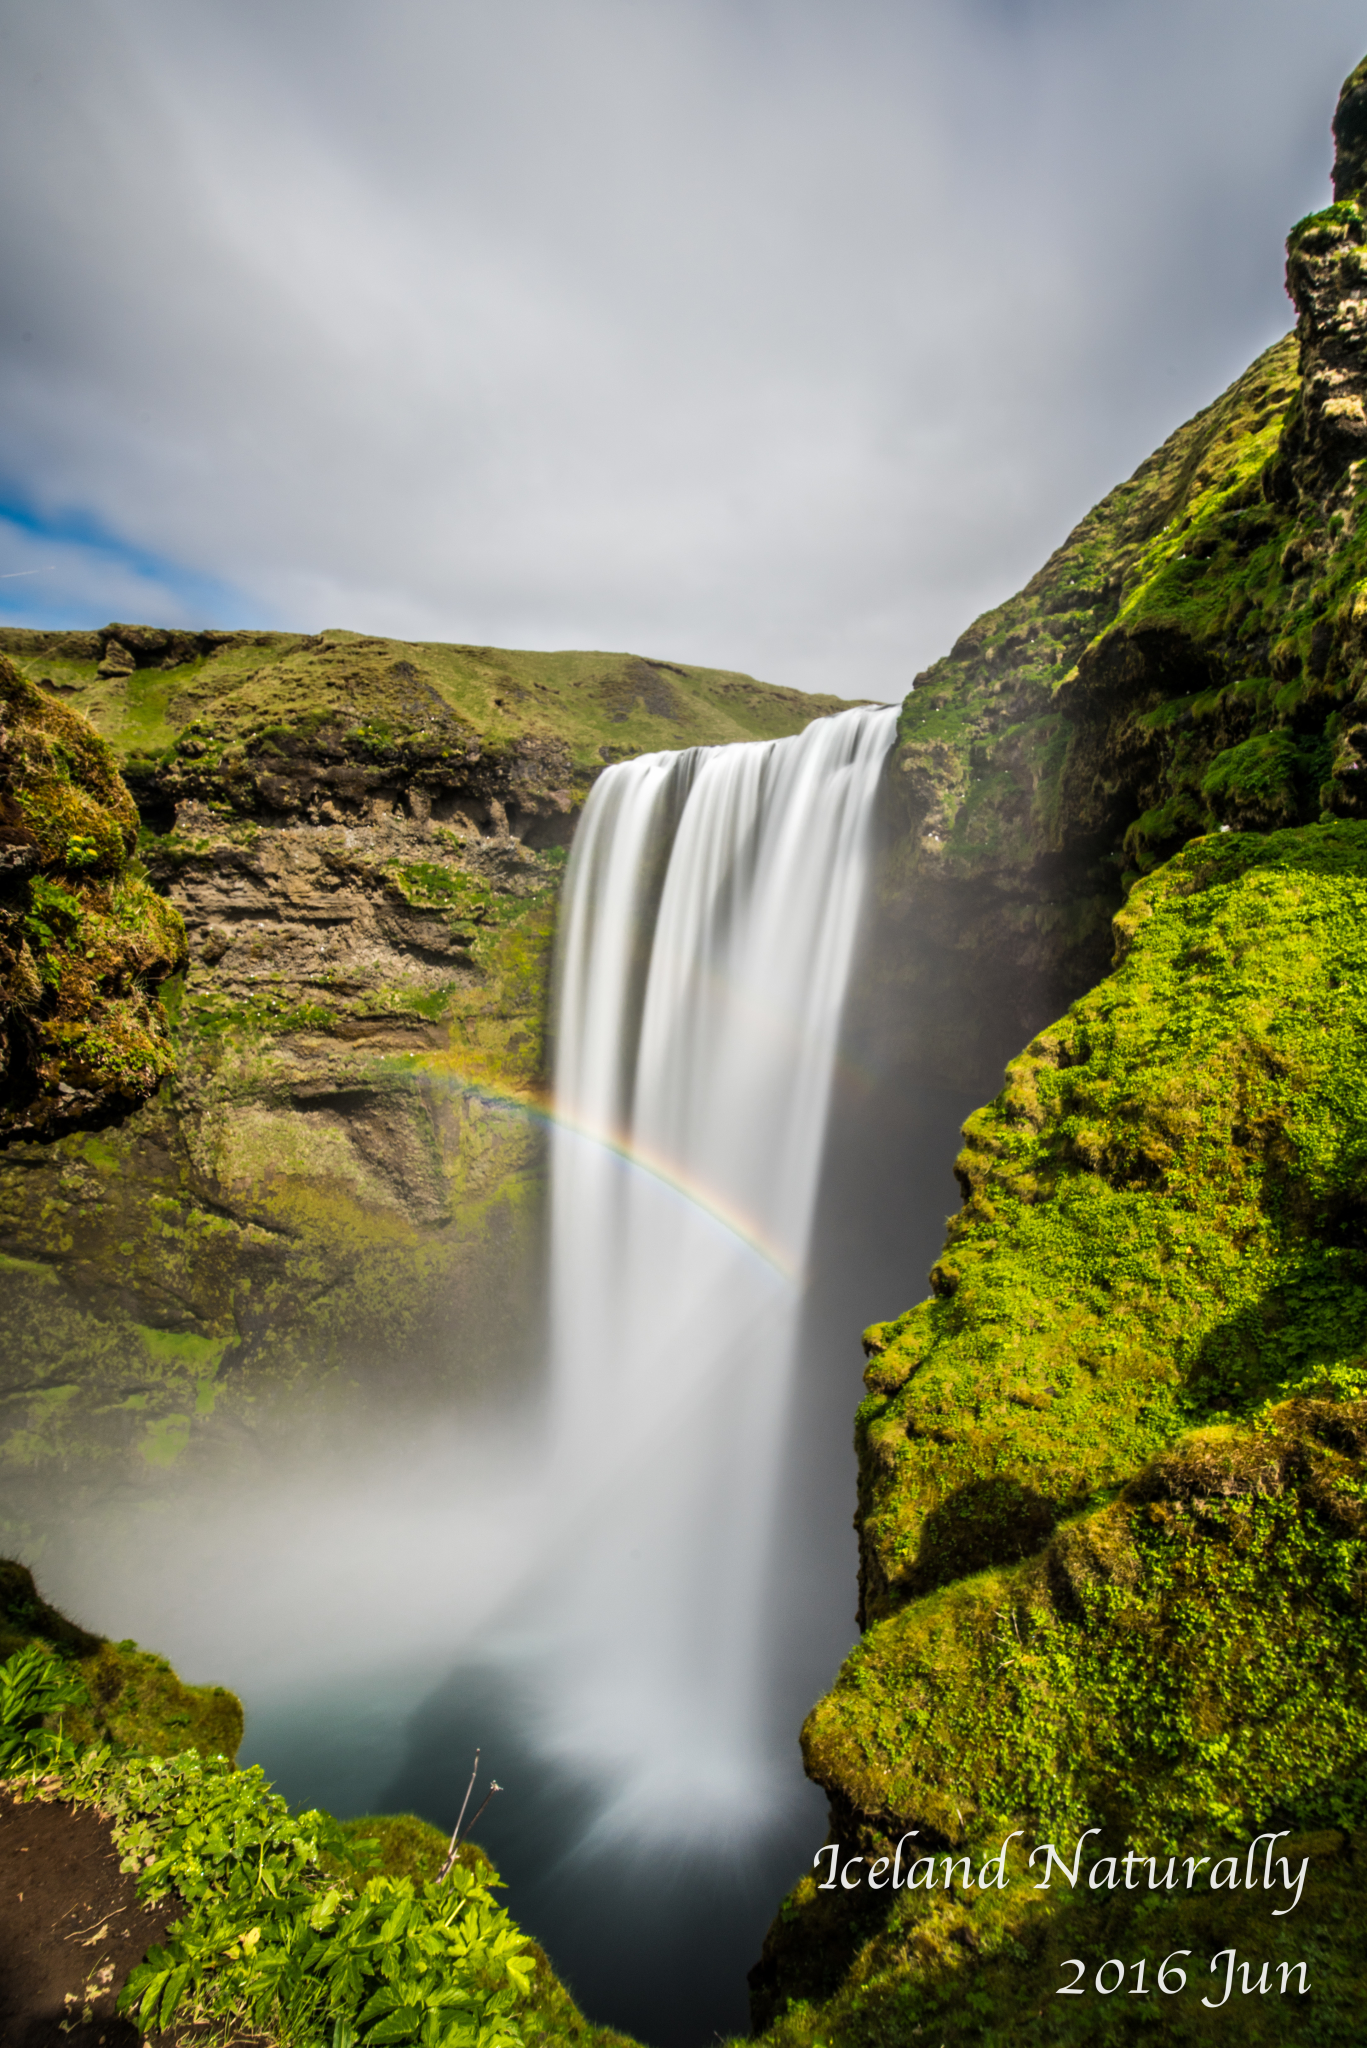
(540, 1106)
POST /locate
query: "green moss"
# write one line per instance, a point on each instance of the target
(1113, 1486)
(1159, 1216)
(401, 1845)
(138, 1703)
(84, 940)
(215, 1013)
(990, 1969)
(135, 1700)
(1171, 1672)
(1194, 655)
(26, 1616)
(1186, 1658)
(429, 884)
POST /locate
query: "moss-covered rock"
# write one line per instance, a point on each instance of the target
(135, 1700)
(1177, 1672)
(1190, 1655)
(84, 941)
(1112, 1486)
(1163, 1216)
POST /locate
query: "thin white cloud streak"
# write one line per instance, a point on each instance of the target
(779, 336)
(41, 573)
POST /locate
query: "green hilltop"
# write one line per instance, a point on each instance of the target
(166, 699)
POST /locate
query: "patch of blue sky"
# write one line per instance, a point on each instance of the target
(71, 570)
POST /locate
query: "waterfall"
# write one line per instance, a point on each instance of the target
(708, 926)
(581, 1577)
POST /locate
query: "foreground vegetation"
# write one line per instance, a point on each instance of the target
(313, 1932)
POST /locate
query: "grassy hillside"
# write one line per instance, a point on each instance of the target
(214, 699)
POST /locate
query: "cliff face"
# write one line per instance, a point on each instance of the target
(1112, 1554)
(341, 1167)
(1111, 1484)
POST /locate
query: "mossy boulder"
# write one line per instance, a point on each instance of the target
(85, 942)
(134, 1699)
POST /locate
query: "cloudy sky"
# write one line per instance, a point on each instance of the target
(780, 335)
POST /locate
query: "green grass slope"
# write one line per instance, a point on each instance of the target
(190, 712)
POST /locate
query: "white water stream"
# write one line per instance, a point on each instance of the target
(708, 927)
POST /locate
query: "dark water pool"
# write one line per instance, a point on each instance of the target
(655, 1941)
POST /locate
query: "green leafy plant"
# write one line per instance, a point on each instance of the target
(268, 1941)
(53, 912)
(286, 1927)
(33, 1683)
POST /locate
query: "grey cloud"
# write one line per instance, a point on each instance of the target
(778, 336)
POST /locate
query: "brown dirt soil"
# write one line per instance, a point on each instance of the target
(71, 1928)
